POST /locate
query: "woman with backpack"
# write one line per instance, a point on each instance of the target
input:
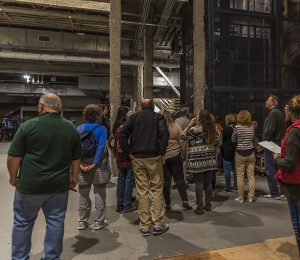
(125, 180)
(201, 138)
(94, 168)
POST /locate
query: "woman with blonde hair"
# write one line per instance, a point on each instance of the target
(243, 136)
(201, 157)
(288, 165)
(173, 165)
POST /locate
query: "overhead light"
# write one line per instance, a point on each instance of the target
(27, 77)
(80, 33)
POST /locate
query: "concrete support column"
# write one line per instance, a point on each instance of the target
(199, 55)
(285, 7)
(138, 87)
(148, 62)
(115, 58)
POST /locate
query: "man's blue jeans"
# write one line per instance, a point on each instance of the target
(294, 207)
(125, 187)
(270, 172)
(229, 167)
(26, 208)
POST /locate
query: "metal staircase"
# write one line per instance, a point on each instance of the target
(166, 103)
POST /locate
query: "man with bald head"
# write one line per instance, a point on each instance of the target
(43, 164)
(149, 135)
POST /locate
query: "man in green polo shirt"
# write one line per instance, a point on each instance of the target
(43, 163)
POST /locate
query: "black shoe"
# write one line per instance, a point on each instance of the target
(132, 208)
(145, 233)
(119, 209)
(168, 207)
(208, 209)
(198, 211)
(186, 205)
(160, 229)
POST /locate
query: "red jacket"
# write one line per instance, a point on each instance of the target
(289, 177)
(122, 159)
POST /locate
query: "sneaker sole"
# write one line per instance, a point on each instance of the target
(100, 227)
(156, 233)
(145, 234)
(82, 228)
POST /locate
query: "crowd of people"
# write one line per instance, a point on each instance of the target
(150, 149)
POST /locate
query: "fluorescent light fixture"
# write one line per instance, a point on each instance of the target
(26, 76)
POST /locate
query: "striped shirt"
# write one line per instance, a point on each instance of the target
(243, 135)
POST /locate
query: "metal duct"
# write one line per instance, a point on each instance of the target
(79, 59)
(163, 20)
(140, 30)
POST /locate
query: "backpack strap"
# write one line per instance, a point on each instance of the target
(94, 128)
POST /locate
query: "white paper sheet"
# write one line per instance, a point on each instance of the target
(270, 146)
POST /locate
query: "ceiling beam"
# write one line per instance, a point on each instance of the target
(90, 5)
(54, 14)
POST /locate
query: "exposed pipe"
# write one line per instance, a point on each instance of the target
(168, 81)
(79, 59)
(144, 24)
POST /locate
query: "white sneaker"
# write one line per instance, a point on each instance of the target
(82, 225)
(98, 225)
(251, 200)
(240, 201)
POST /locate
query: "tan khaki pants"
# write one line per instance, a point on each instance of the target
(148, 174)
(242, 164)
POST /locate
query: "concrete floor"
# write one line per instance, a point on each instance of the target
(229, 224)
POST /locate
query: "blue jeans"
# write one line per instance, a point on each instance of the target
(229, 167)
(270, 172)
(294, 207)
(26, 208)
(124, 187)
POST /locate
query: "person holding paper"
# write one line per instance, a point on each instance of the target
(288, 166)
(273, 131)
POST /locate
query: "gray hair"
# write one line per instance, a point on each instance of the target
(129, 114)
(51, 101)
(275, 100)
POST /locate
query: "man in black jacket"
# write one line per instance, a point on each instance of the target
(274, 128)
(149, 137)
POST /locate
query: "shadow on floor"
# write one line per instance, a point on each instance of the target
(288, 249)
(168, 244)
(88, 242)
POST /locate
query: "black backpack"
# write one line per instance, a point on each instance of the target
(88, 145)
